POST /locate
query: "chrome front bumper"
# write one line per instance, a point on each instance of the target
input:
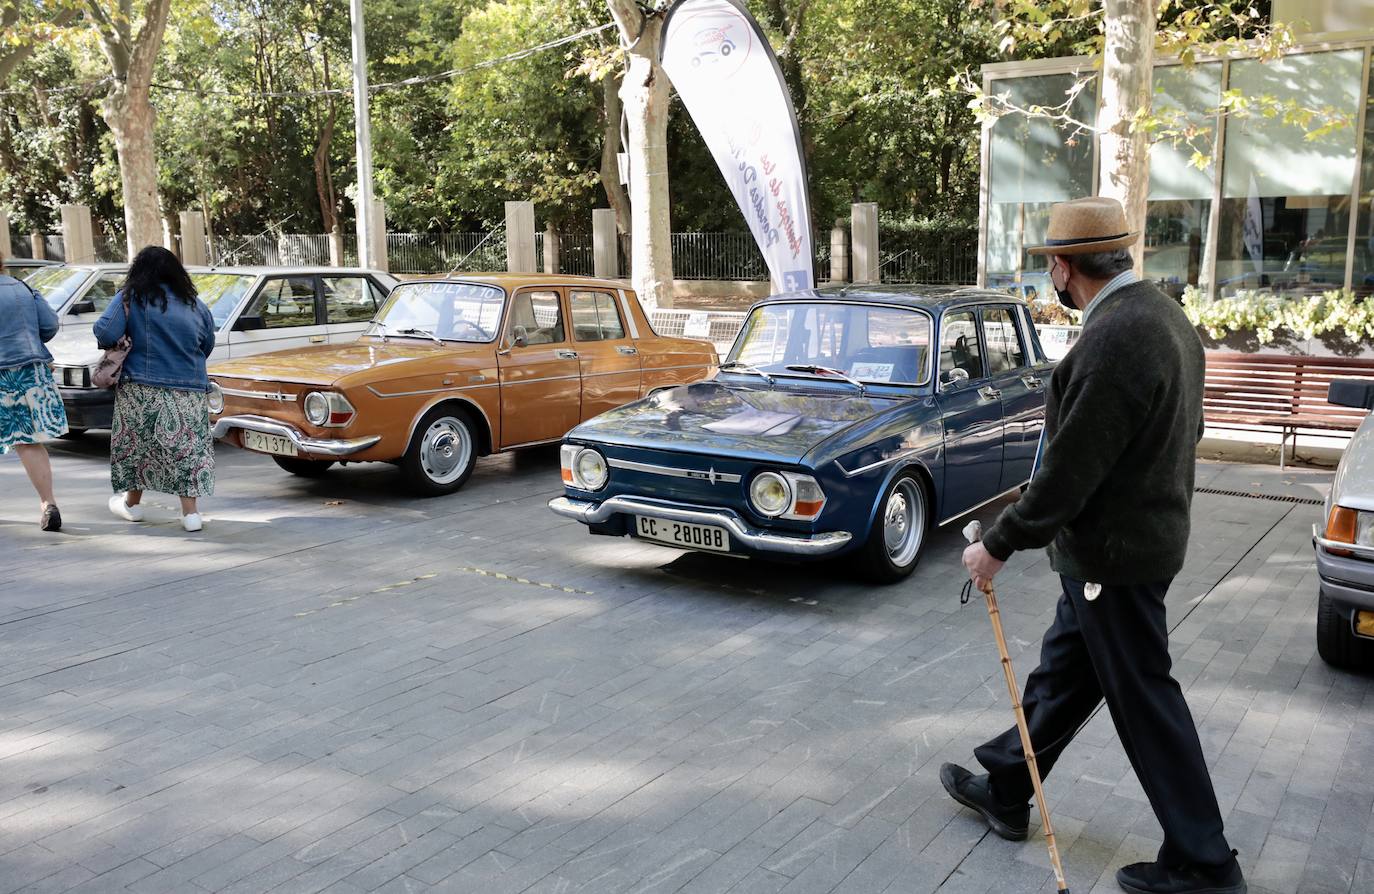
(763, 541)
(318, 446)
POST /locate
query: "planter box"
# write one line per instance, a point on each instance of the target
(1332, 344)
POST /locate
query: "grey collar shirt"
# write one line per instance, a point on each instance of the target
(1121, 280)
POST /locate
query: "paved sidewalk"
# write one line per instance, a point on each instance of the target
(338, 688)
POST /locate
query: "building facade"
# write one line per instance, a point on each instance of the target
(1279, 207)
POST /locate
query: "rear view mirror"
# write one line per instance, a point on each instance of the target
(249, 323)
(83, 307)
(1351, 393)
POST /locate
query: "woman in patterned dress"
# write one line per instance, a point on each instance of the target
(160, 440)
(30, 405)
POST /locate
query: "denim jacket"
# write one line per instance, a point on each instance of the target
(26, 322)
(169, 347)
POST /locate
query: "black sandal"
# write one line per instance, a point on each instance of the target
(51, 520)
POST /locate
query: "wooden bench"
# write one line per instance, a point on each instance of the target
(1278, 391)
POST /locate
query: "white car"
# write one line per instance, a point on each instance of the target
(256, 309)
(1345, 546)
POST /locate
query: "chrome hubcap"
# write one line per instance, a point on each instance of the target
(904, 522)
(445, 450)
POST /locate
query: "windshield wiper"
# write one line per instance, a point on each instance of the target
(827, 371)
(737, 366)
(380, 325)
(425, 332)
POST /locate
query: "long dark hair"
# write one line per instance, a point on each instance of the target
(155, 272)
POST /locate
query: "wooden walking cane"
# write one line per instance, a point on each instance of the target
(973, 531)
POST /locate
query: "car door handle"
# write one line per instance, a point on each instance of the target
(1032, 382)
(565, 355)
(987, 392)
(626, 350)
(317, 339)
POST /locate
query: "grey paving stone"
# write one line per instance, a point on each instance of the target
(320, 694)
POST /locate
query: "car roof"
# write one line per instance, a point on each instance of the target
(299, 270)
(30, 262)
(934, 298)
(510, 281)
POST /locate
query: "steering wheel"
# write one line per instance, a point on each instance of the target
(482, 333)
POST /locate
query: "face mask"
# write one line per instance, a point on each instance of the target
(1064, 297)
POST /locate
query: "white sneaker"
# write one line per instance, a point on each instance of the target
(124, 510)
(191, 522)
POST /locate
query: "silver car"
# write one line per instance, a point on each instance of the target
(1345, 548)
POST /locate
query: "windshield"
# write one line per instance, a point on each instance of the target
(57, 284)
(221, 293)
(455, 311)
(878, 345)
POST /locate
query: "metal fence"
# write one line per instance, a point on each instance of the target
(445, 252)
(946, 258)
(940, 257)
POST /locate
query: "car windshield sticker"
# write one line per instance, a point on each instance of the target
(754, 422)
(872, 372)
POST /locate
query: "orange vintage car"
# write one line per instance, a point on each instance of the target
(452, 369)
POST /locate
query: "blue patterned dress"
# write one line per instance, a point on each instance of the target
(30, 406)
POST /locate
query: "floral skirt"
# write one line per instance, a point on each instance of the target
(30, 406)
(161, 441)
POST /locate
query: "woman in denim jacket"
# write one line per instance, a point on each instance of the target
(30, 404)
(160, 439)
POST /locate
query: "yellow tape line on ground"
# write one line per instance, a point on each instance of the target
(501, 575)
(387, 588)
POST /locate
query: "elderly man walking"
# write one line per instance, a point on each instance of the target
(1110, 498)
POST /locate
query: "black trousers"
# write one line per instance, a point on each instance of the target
(1117, 647)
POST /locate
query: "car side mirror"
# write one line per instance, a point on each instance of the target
(953, 378)
(249, 323)
(83, 307)
(519, 336)
(1351, 393)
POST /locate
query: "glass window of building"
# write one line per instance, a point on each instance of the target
(1362, 268)
(1033, 163)
(1180, 200)
(1285, 209)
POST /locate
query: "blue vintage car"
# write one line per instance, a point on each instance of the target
(832, 428)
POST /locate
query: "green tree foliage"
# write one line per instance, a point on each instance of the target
(247, 129)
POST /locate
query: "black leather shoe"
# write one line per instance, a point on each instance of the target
(51, 520)
(975, 793)
(1198, 878)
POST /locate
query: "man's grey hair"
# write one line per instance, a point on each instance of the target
(1103, 264)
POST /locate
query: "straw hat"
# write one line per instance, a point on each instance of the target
(1085, 225)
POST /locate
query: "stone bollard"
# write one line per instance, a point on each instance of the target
(864, 232)
(605, 257)
(520, 238)
(78, 236)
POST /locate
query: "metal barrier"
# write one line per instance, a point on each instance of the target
(716, 326)
(720, 327)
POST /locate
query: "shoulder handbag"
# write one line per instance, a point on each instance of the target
(111, 364)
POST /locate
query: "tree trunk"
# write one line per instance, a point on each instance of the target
(645, 94)
(1127, 60)
(131, 119)
(610, 145)
(324, 177)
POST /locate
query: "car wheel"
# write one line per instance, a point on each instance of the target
(1336, 642)
(305, 468)
(898, 535)
(442, 453)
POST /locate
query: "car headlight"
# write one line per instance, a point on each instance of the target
(316, 408)
(583, 467)
(1349, 526)
(769, 494)
(215, 396)
(328, 409)
(788, 495)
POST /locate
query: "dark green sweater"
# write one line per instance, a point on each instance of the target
(1123, 416)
